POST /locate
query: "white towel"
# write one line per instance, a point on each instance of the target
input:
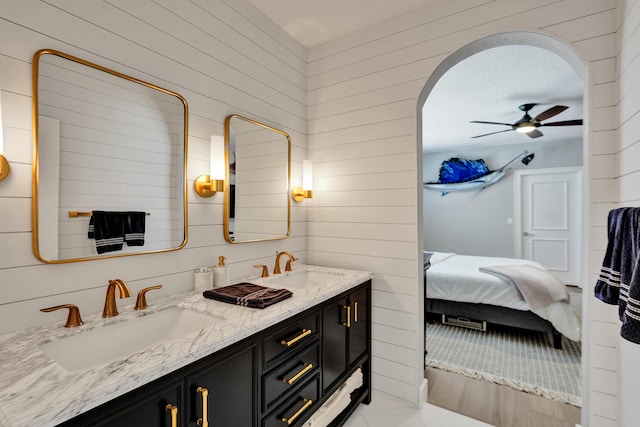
(337, 402)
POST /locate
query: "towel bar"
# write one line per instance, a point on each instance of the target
(76, 214)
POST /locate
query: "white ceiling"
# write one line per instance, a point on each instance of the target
(487, 86)
(312, 22)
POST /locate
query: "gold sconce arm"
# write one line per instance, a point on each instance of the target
(299, 194)
(141, 302)
(73, 319)
(207, 187)
(4, 166)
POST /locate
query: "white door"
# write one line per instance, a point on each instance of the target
(549, 210)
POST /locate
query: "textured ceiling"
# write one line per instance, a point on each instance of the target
(489, 86)
(313, 22)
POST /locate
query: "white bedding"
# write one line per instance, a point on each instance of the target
(456, 278)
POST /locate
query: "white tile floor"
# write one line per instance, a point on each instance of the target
(387, 411)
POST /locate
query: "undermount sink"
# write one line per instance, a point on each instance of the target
(304, 279)
(109, 343)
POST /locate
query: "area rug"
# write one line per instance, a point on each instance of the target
(520, 359)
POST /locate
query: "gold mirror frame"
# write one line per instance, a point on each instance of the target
(36, 161)
(227, 182)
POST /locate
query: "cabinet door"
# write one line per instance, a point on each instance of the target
(334, 341)
(231, 385)
(358, 327)
(150, 410)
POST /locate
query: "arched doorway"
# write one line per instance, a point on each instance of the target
(533, 39)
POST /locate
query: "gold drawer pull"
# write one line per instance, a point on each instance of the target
(307, 368)
(290, 420)
(174, 414)
(348, 322)
(355, 315)
(291, 342)
(204, 421)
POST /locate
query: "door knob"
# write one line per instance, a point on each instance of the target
(526, 233)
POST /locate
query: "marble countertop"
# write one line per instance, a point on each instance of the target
(35, 390)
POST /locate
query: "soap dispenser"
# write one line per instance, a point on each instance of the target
(221, 274)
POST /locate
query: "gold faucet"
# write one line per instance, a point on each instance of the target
(110, 308)
(276, 269)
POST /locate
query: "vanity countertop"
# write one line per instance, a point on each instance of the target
(34, 390)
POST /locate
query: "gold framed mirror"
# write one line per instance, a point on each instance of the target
(257, 205)
(110, 149)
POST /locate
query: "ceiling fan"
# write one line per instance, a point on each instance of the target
(528, 125)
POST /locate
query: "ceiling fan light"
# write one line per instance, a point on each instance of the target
(525, 128)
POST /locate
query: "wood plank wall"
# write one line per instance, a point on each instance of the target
(362, 138)
(224, 57)
(628, 163)
(356, 97)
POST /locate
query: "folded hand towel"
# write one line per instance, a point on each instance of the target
(108, 231)
(248, 295)
(134, 228)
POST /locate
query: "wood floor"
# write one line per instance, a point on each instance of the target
(495, 404)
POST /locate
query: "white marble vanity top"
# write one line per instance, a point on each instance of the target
(34, 390)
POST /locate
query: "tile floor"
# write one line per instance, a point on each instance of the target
(386, 411)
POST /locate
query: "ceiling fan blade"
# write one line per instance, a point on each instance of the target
(563, 123)
(547, 114)
(492, 133)
(491, 123)
(534, 134)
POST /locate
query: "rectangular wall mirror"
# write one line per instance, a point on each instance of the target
(256, 195)
(110, 143)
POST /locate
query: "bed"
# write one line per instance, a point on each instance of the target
(455, 286)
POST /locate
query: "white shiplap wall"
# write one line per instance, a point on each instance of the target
(628, 162)
(363, 91)
(224, 57)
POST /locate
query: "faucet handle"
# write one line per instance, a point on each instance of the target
(289, 264)
(265, 270)
(73, 319)
(141, 302)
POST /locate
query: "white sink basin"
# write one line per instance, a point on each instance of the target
(109, 343)
(304, 279)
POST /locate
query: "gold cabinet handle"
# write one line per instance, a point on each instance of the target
(348, 322)
(305, 332)
(204, 421)
(292, 418)
(174, 414)
(307, 368)
(355, 309)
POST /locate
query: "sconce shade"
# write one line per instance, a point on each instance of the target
(306, 191)
(217, 168)
(208, 185)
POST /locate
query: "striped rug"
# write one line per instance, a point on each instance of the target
(517, 358)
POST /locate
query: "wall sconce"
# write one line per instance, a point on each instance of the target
(208, 185)
(306, 191)
(4, 164)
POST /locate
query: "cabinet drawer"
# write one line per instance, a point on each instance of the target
(294, 335)
(290, 374)
(297, 408)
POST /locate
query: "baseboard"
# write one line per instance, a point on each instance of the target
(424, 392)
